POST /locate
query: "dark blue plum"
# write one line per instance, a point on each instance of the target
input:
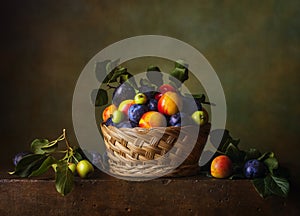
(150, 94)
(148, 91)
(19, 156)
(134, 124)
(124, 124)
(152, 105)
(109, 122)
(105, 159)
(254, 169)
(175, 119)
(95, 157)
(136, 111)
(180, 119)
(123, 92)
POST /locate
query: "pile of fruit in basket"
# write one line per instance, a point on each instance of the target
(153, 103)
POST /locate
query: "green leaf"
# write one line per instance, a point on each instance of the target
(271, 163)
(116, 73)
(111, 65)
(231, 151)
(77, 155)
(260, 187)
(226, 139)
(50, 148)
(64, 178)
(272, 185)
(265, 156)
(145, 82)
(280, 186)
(29, 164)
(44, 166)
(129, 78)
(153, 68)
(104, 68)
(199, 97)
(252, 153)
(108, 78)
(41, 146)
(181, 64)
(220, 138)
(124, 77)
(38, 144)
(99, 97)
(235, 142)
(234, 153)
(154, 75)
(180, 72)
(179, 75)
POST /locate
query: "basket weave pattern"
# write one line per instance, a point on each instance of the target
(138, 152)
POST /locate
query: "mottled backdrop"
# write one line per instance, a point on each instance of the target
(253, 47)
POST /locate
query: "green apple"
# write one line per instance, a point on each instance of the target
(72, 167)
(200, 117)
(140, 98)
(84, 168)
(117, 116)
(124, 106)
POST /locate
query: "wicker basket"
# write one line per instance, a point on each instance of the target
(155, 152)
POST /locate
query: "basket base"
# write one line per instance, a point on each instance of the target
(141, 154)
(146, 171)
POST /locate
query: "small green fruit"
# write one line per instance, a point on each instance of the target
(72, 167)
(54, 166)
(117, 116)
(84, 168)
(140, 98)
(200, 117)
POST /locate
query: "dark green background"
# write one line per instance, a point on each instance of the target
(252, 45)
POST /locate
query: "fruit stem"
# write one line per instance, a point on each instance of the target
(61, 151)
(209, 103)
(75, 159)
(66, 140)
(110, 87)
(60, 138)
(220, 152)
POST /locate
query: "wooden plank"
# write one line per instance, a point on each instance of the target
(105, 195)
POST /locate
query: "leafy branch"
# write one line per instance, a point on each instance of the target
(43, 156)
(116, 75)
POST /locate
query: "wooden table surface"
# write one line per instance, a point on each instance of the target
(105, 195)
